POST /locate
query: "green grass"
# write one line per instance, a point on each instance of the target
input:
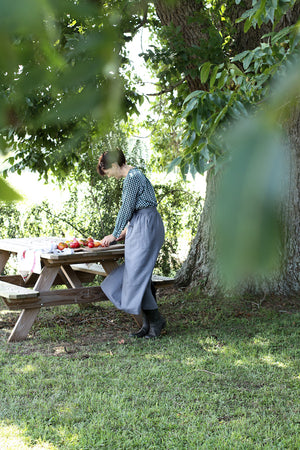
(226, 375)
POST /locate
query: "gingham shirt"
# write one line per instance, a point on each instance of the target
(138, 193)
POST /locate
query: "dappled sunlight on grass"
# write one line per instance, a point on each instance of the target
(262, 342)
(157, 356)
(239, 363)
(29, 368)
(14, 438)
(269, 359)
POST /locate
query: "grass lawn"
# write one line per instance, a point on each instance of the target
(226, 375)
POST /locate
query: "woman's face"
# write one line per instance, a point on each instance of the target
(113, 171)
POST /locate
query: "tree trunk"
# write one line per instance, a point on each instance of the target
(199, 269)
(290, 279)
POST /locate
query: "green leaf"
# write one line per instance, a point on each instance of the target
(247, 60)
(192, 95)
(240, 56)
(213, 76)
(222, 79)
(176, 162)
(235, 69)
(191, 105)
(204, 72)
(8, 193)
(247, 25)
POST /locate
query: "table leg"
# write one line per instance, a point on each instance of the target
(46, 278)
(28, 316)
(72, 280)
(109, 266)
(23, 325)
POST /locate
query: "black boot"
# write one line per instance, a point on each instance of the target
(144, 330)
(157, 323)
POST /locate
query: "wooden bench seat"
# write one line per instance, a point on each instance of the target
(160, 281)
(12, 292)
(93, 268)
(97, 269)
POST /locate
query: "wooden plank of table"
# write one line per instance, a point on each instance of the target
(14, 292)
(16, 245)
(4, 256)
(82, 257)
(59, 297)
(84, 277)
(14, 279)
(92, 268)
(91, 294)
(70, 296)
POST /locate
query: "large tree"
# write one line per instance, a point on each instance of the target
(61, 86)
(231, 65)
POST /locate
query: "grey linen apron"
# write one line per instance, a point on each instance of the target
(128, 286)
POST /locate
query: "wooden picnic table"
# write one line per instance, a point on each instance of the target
(71, 270)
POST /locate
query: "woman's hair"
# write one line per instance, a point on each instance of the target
(107, 159)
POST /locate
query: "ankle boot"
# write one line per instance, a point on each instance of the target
(145, 328)
(157, 323)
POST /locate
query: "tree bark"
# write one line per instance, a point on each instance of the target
(290, 279)
(197, 269)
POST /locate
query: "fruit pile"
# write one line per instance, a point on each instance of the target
(77, 243)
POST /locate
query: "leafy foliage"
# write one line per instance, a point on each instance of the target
(263, 11)
(230, 83)
(60, 85)
(235, 90)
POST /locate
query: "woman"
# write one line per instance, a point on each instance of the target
(129, 286)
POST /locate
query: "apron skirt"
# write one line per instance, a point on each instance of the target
(128, 287)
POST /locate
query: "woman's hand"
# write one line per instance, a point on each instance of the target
(122, 235)
(108, 240)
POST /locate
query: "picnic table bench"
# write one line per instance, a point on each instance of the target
(71, 270)
(97, 269)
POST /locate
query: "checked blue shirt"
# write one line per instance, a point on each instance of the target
(138, 193)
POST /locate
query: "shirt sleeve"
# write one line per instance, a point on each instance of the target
(129, 196)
